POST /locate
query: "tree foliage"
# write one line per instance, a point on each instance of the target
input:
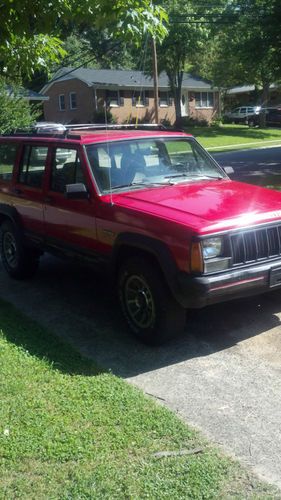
(185, 44)
(246, 48)
(15, 111)
(30, 33)
(94, 48)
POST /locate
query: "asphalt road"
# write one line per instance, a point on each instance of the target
(254, 165)
(223, 375)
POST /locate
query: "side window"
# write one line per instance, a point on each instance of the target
(33, 165)
(7, 159)
(66, 169)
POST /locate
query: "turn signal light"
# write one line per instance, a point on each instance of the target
(196, 258)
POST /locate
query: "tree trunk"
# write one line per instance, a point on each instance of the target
(175, 81)
(177, 97)
(264, 103)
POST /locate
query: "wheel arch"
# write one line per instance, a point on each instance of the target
(128, 245)
(8, 213)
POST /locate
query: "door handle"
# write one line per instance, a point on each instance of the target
(48, 199)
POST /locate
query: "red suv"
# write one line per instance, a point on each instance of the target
(151, 206)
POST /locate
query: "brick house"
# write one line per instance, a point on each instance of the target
(76, 96)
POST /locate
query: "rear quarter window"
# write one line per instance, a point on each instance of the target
(8, 154)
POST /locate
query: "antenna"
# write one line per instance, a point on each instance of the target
(107, 145)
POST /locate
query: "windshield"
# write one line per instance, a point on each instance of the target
(136, 163)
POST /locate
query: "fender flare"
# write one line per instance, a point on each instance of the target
(11, 213)
(153, 247)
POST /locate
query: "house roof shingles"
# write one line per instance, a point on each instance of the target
(124, 78)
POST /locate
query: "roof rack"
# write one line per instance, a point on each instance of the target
(59, 130)
(110, 126)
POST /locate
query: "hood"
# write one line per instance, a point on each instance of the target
(207, 205)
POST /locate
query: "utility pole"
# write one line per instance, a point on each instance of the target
(155, 80)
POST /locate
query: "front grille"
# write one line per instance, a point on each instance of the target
(254, 245)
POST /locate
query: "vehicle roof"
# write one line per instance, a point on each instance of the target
(89, 137)
(105, 135)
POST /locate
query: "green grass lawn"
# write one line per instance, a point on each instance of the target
(69, 430)
(229, 137)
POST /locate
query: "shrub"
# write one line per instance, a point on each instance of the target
(15, 111)
(99, 117)
(188, 121)
(166, 123)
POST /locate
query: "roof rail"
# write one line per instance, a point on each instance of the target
(59, 130)
(116, 126)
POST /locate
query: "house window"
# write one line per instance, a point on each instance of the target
(73, 100)
(140, 98)
(204, 99)
(165, 99)
(61, 102)
(114, 98)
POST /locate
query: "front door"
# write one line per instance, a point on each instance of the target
(70, 223)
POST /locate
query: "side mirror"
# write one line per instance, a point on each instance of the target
(228, 170)
(76, 191)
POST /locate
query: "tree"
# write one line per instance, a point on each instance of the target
(15, 112)
(95, 48)
(247, 46)
(185, 43)
(30, 33)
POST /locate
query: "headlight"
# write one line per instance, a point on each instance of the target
(212, 247)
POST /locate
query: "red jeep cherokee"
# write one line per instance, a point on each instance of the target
(150, 205)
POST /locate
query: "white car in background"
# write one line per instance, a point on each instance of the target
(241, 114)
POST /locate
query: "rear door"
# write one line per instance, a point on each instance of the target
(28, 188)
(70, 223)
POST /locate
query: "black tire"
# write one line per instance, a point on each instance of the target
(152, 313)
(19, 262)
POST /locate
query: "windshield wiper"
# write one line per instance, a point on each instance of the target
(172, 176)
(140, 183)
(192, 175)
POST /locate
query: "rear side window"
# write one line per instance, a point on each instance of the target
(33, 165)
(7, 159)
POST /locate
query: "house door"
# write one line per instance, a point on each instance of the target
(184, 104)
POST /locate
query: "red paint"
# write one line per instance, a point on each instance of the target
(173, 214)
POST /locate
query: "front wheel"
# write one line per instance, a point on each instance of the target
(149, 308)
(19, 262)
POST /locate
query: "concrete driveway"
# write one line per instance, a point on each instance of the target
(223, 375)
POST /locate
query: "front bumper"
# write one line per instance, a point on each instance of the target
(200, 291)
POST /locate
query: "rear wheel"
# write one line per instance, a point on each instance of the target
(149, 308)
(19, 262)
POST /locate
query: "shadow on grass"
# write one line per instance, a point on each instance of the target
(38, 341)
